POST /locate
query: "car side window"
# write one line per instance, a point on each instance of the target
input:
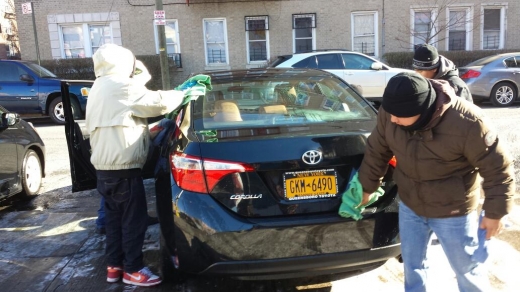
(329, 61)
(306, 63)
(511, 62)
(10, 72)
(356, 62)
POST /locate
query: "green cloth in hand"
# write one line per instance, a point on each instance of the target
(193, 88)
(352, 197)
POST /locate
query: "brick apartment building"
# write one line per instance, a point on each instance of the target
(238, 34)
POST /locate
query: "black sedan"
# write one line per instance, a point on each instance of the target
(249, 178)
(22, 156)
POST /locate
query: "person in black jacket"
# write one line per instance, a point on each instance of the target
(431, 65)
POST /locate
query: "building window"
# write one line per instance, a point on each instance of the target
(364, 33)
(304, 32)
(458, 30)
(82, 40)
(423, 26)
(493, 27)
(173, 47)
(215, 41)
(257, 37)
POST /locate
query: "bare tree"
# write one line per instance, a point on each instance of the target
(434, 20)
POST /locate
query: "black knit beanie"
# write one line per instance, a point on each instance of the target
(425, 57)
(408, 94)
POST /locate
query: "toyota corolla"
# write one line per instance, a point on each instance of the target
(249, 178)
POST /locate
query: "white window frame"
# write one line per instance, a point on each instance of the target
(87, 45)
(225, 40)
(294, 16)
(376, 29)
(268, 53)
(434, 12)
(503, 22)
(156, 35)
(468, 25)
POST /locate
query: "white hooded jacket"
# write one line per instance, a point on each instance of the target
(117, 110)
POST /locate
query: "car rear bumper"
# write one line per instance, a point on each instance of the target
(210, 239)
(305, 266)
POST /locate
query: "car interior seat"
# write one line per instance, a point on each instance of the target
(273, 109)
(227, 111)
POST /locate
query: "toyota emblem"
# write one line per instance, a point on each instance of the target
(312, 157)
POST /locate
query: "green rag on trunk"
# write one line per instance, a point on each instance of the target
(352, 197)
(193, 88)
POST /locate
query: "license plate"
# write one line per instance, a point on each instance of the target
(311, 184)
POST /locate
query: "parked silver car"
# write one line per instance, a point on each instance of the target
(495, 78)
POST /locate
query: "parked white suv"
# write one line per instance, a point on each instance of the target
(353, 67)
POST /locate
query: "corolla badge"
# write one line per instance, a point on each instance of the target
(312, 157)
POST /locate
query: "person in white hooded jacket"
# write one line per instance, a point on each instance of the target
(116, 118)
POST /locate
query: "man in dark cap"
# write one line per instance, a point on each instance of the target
(442, 145)
(431, 65)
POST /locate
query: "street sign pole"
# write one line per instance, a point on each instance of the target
(163, 54)
(35, 34)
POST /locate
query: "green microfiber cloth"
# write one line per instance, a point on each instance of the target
(193, 88)
(352, 197)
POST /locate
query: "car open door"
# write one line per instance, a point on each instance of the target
(82, 172)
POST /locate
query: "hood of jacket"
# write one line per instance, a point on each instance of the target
(112, 59)
(446, 68)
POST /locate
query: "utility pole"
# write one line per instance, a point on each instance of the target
(163, 54)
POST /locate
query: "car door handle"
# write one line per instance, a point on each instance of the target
(514, 72)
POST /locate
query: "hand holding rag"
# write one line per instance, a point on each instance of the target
(192, 88)
(351, 199)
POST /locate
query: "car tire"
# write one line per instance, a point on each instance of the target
(32, 174)
(503, 94)
(57, 113)
(168, 271)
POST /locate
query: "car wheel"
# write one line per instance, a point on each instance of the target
(31, 173)
(57, 112)
(503, 94)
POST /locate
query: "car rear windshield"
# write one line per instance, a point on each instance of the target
(262, 102)
(40, 71)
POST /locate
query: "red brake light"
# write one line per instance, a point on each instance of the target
(470, 74)
(393, 162)
(192, 173)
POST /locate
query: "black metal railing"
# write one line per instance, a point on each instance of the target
(365, 48)
(216, 56)
(457, 44)
(176, 58)
(258, 54)
(491, 42)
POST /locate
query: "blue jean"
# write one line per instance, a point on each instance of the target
(458, 238)
(100, 221)
(125, 217)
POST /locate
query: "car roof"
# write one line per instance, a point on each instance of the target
(223, 76)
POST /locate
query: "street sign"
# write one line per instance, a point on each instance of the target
(159, 22)
(26, 8)
(159, 14)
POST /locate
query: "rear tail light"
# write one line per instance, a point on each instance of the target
(199, 175)
(470, 74)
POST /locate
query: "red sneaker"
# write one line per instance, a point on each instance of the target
(114, 274)
(144, 277)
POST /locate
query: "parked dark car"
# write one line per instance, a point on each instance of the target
(495, 78)
(22, 156)
(31, 90)
(250, 177)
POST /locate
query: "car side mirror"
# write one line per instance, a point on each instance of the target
(376, 66)
(9, 119)
(26, 77)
